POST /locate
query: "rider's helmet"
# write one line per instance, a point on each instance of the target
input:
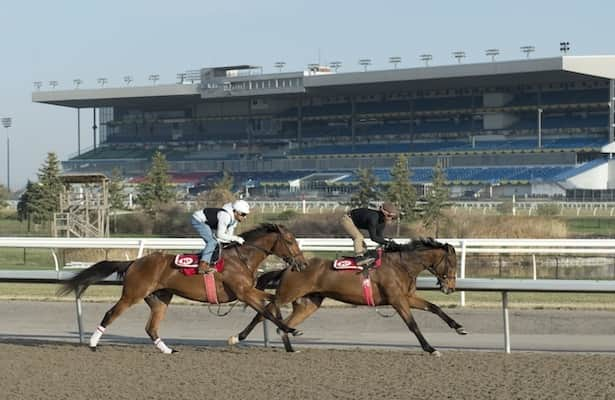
(241, 206)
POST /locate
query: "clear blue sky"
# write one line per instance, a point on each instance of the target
(64, 40)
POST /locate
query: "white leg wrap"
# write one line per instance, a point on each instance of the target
(162, 346)
(96, 336)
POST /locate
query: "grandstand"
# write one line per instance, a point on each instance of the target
(526, 127)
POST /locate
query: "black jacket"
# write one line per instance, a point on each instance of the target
(372, 221)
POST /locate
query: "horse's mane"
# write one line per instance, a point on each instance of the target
(261, 230)
(419, 244)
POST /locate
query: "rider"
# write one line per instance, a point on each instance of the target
(371, 220)
(218, 225)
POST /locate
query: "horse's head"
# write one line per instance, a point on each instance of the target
(425, 253)
(276, 239)
(287, 248)
(444, 267)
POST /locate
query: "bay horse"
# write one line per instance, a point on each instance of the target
(155, 279)
(393, 283)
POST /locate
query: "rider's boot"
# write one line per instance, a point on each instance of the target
(203, 267)
(364, 260)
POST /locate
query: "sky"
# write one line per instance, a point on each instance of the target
(67, 40)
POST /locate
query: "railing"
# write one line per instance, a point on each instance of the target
(464, 247)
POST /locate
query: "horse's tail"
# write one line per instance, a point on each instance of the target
(96, 273)
(269, 280)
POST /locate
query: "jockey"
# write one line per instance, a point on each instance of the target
(217, 225)
(373, 221)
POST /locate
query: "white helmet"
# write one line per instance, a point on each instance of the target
(241, 206)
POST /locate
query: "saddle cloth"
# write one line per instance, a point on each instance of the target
(188, 263)
(346, 263)
(350, 263)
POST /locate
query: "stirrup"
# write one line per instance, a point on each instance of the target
(364, 261)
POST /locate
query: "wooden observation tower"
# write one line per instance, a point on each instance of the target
(84, 206)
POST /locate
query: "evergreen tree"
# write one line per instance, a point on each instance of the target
(401, 192)
(4, 196)
(156, 191)
(43, 198)
(367, 189)
(116, 190)
(436, 201)
(29, 208)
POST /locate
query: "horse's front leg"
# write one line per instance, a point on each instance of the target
(403, 309)
(258, 318)
(256, 299)
(422, 304)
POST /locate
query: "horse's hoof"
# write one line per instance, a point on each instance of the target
(233, 340)
(297, 332)
(436, 353)
(93, 348)
(461, 330)
(174, 351)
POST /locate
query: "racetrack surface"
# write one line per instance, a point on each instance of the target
(32, 370)
(346, 353)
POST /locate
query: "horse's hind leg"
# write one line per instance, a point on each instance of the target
(110, 316)
(158, 303)
(302, 309)
(403, 309)
(421, 304)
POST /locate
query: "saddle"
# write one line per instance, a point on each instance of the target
(188, 263)
(350, 262)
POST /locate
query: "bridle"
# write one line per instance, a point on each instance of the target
(290, 260)
(442, 278)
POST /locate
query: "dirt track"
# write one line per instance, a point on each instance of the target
(40, 360)
(33, 370)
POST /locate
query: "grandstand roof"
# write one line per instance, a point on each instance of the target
(430, 77)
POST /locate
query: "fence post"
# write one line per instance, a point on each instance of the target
(462, 272)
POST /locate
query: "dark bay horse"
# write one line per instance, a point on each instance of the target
(394, 283)
(155, 279)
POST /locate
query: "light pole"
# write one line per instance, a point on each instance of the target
(527, 50)
(540, 128)
(395, 60)
(154, 78)
(279, 65)
(365, 62)
(335, 65)
(459, 55)
(492, 53)
(102, 82)
(426, 58)
(564, 47)
(6, 122)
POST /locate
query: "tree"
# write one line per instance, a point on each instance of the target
(4, 196)
(116, 190)
(367, 189)
(28, 209)
(436, 201)
(401, 192)
(155, 192)
(221, 192)
(42, 199)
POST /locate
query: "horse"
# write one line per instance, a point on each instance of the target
(393, 283)
(155, 279)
